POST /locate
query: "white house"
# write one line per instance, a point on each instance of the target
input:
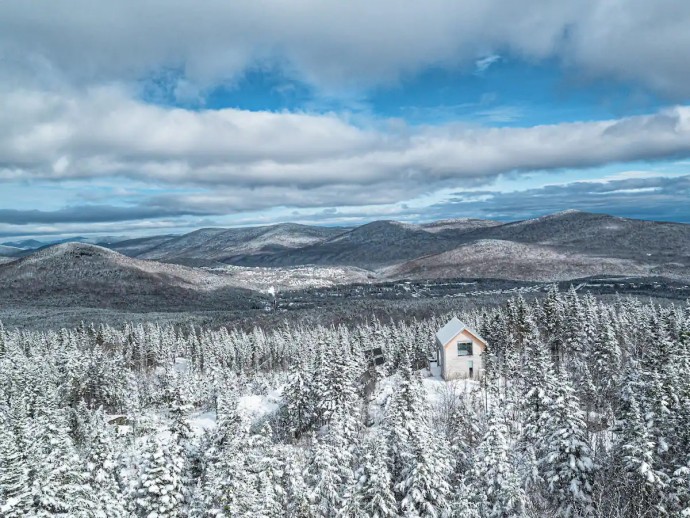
(460, 351)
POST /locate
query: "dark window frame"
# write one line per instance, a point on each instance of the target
(467, 346)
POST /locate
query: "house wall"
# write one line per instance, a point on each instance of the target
(455, 366)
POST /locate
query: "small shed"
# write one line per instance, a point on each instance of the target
(460, 351)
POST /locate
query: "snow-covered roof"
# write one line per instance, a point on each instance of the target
(453, 328)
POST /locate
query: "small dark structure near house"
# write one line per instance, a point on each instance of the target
(370, 377)
(375, 356)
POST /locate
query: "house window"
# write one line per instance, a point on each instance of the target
(470, 368)
(464, 348)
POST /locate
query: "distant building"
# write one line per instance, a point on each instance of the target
(460, 351)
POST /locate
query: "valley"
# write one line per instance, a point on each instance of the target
(220, 275)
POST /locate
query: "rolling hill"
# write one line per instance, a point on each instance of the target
(369, 246)
(596, 234)
(459, 226)
(498, 259)
(561, 246)
(384, 244)
(76, 274)
(224, 245)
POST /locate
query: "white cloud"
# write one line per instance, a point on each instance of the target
(106, 133)
(483, 64)
(338, 45)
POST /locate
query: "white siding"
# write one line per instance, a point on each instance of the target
(455, 366)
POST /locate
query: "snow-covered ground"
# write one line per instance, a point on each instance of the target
(298, 277)
(254, 407)
(436, 388)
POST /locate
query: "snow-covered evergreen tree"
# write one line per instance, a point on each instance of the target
(566, 460)
(15, 488)
(494, 481)
(159, 491)
(374, 494)
(101, 471)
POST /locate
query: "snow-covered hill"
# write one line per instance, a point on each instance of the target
(93, 276)
(459, 225)
(575, 241)
(223, 244)
(499, 259)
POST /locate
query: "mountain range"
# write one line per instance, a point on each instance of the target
(370, 246)
(85, 275)
(209, 266)
(570, 243)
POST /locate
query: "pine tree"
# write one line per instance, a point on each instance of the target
(567, 461)
(3, 342)
(326, 484)
(158, 489)
(419, 462)
(296, 491)
(424, 483)
(15, 495)
(495, 483)
(466, 504)
(374, 492)
(331, 469)
(539, 389)
(574, 337)
(553, 322)
(635, 452)
(101, 471)
(606, 360)
(58, 484)
(299, 401)
(265, 469)
(405, 410)
(229, 489)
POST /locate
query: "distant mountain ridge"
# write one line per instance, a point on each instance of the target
(79, 274)
(384, 244)
(564, 245)
(596, 233)
(371, 245)
(498, 259)
(9, 251)
(223, 245)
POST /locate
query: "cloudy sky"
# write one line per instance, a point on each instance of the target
(156, 116)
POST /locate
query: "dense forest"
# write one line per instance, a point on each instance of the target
(583, 410)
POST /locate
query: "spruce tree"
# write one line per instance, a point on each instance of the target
(374, 491)
(635, 452)
(566, 460)
(101, 470)
(15, 493)
(494, 481)
(159, 490)
(59, 483)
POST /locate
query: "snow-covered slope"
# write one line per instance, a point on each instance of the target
(137, 247)
(222, 244)
(372, 245)
(599, 234)
(92, 275)
(459, 225)
(499, 259)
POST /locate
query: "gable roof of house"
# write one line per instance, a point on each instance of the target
(452, 329)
